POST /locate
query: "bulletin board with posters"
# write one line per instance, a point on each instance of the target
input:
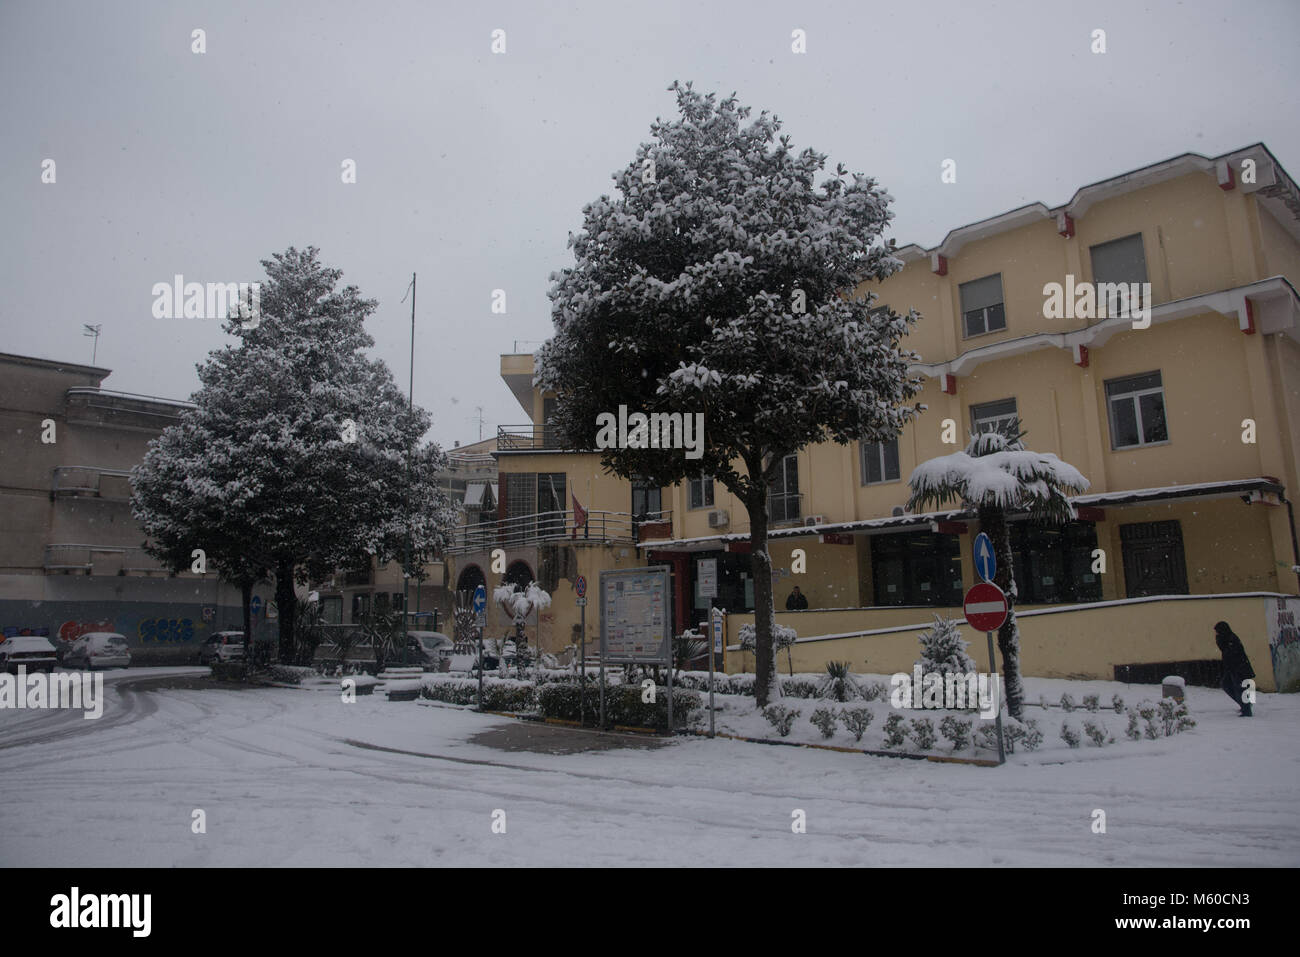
(635, 616)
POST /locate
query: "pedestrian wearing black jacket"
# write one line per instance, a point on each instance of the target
(1236, 666)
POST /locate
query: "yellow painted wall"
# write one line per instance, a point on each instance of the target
(1084, 643)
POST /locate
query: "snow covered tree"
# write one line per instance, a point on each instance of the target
(718, 282)
(996, 474)
(519, 603)
(943, 649)
(306, 438)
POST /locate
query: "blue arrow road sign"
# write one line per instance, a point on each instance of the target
(480, 599)
(255, 606)
(985, 563)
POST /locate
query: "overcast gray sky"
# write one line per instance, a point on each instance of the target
(472, 168)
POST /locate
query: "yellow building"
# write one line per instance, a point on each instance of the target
(1177, 393)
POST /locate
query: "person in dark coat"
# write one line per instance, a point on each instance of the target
(797, 601)
(1236, 666)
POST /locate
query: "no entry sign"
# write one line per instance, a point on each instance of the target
(985, 607)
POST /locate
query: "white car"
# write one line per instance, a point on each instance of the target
(223, 646)
(31, 651)
(98, 649)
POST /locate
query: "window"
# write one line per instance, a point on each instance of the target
(1053, 565)
(783, 498)
(647, 500)
(519, 495)
(1115, 262)
(1136, 406)
(1154, 563)
(981, 306)
(922, 568)
(879, 462)
(700, 492)
(992, 416)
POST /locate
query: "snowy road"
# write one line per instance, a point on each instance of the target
(289, 777)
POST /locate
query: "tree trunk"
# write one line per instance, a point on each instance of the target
(246, 596)
(993, 522)
(285, 607)
(766, 683)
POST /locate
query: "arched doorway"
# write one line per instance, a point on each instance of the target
(519, 574)
(471, 576)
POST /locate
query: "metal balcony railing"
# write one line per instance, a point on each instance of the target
(101, 559)
(785, 509)
(513, 438)
(601, 528)
(87, 480)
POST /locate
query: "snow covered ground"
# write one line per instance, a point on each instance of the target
(294, 777)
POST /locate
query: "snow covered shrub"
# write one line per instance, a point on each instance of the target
(1096, 732)
(856, 721)
(1148, 712)
(782, 638)
(1174, 716)
(781, 718)
(1033, 735)
(1092, 702)
(798, 687)
(1067, 703)
(922, 733)
(1118, 704)
(825, 720)
(1043, 702)
(623, 705)
(894, 731)
(1133, 732)
(872, 690)
(957, 731)
(943, 650)
(838, 683)
(735, 684)
(1013, 732)
(1069, 735)
(290, 674)
(499, 694)
(987, 737)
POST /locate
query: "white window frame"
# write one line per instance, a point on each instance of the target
(706, 500)
(1135, 397)
(867, 448)
(976, 422)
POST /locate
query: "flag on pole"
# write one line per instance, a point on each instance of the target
(579, 516)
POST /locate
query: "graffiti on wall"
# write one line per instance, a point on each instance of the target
(1284, 642)
(71, 630)
(165, 631)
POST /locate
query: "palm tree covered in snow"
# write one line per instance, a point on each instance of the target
(996, 474)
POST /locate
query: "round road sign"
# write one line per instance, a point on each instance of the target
(985, 607)
(580, 586)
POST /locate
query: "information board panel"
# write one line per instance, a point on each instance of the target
(635, 627)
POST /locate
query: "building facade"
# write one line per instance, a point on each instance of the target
(71, 555)
(1147, 332)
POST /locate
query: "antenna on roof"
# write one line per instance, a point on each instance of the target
(93, 332)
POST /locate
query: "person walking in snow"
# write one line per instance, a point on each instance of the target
(1236, 666)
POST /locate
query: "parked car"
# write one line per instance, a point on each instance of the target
(223, 646)
(98, 649)
(31, 651)
(430, 649)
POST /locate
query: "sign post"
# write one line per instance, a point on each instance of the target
(707, 569)
(635, 627)
(986, 610)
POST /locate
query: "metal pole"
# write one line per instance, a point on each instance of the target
(993, 670)
(602, 667)
(711, 639)
(582, 667)
(479, 704)
(406, 560)
(671, 663)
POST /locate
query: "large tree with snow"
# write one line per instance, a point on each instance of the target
(996, 474)
(304, 438)
(718, 282)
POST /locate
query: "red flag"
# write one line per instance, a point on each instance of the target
(579, 516)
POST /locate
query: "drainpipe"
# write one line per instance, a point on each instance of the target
(1295, 547)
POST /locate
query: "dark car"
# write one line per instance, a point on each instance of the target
(430, 649)
(31, 651)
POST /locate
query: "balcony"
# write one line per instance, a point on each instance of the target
(101, 560)
(602, 528)
(88, 481)
(522, 438)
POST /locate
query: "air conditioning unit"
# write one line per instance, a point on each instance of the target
(815, 520)
(719, 518)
